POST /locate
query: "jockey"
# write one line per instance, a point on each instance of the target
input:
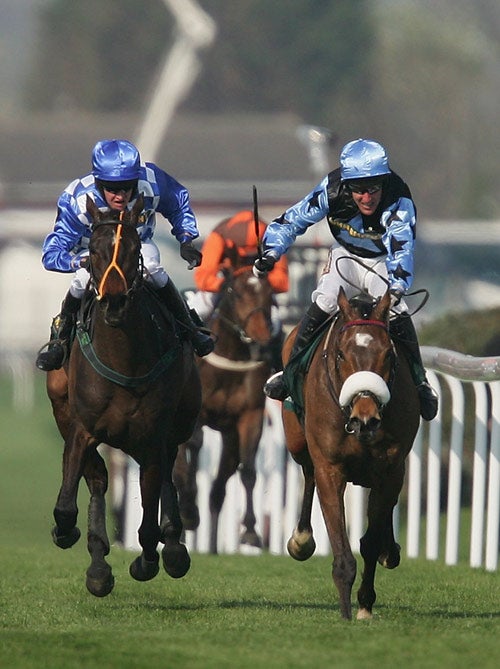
(372, 218)
(231, 244)
(118, 176)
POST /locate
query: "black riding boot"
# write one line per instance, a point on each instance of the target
(60, 334)
(202, 343)
(313, 318)
(403, 331)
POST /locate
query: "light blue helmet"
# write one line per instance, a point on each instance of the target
(362, 159)
(115, 160)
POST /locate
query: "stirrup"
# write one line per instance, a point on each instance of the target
(53, 358)
(275, 388)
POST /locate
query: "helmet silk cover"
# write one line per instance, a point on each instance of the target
(115, 160)
(362, 159)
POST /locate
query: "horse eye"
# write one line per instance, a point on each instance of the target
(340, 356)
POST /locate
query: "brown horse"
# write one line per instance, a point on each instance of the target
(360, 417)
(130, 382)
(232, 399)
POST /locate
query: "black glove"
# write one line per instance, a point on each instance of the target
(397, 296)
(190, 254)
(263, 265)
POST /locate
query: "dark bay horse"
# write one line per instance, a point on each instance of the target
(130, 382)
(233, 401)
(360, 417)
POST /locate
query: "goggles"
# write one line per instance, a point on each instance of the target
(364, 188)
(118, 186)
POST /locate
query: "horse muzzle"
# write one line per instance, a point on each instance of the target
(362, 397)
(115, 308)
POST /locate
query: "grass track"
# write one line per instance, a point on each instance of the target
(229, 611)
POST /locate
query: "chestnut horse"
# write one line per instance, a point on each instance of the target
(359, 420)
(233, 401)
(130, 382)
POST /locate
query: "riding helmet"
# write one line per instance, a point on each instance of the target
(115, 160)
(362, 159)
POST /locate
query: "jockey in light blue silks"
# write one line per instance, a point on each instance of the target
(372, 218)
(118, 176)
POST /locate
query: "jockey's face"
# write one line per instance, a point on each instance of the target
(117, 200)
(366, 201)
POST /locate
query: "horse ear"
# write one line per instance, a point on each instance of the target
(381, 311)
(92, 209)
(343, 303)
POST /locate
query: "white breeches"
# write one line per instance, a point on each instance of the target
(353, 274)
(153, 270)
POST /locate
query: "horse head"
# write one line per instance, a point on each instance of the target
(115, 250)
(245, 306)
(365, 362)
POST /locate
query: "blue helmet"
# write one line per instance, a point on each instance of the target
(362, 159)
(115, 160)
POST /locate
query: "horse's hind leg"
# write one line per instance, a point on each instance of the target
(145, 566)
(301, 544)
(184, 475)
(100, 579)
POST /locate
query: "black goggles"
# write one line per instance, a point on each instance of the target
(371, 189)
(119, 186)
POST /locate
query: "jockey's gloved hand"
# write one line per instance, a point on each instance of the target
(396, 295)
(190, 254)
(263, 265)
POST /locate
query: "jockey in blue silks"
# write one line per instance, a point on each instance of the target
(372, 217)
(118, 176)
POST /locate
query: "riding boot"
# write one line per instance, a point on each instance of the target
(60, 335)
(403, 331)
(202, 343)
(313, 319)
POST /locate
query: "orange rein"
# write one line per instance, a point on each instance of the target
(113, 264)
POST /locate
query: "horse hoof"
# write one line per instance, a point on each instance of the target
(391, 559)
(176, 560)
(301, 546)
(101, 582)
(251, 539)
(364, 614)
(65, 540)
(144, 570)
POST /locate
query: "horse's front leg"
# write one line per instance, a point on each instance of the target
(378, 542)
(228, 464)
(100, 579)
(65, 533)
(175, 556)
(331, 484)
(301, 544)
(145, 566)
(250, 432)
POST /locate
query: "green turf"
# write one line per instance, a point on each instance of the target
(228, 611)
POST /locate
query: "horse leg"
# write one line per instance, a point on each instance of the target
(184, 476)
(229, 461)
(65, 533)
(301, 544)
(100, 579)
(250, 432)
(145, 566)
(378, 542)
(331, 487)
(175, 556)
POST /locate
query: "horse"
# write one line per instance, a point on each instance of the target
(130, 382)
(359, 417)
(233, 401)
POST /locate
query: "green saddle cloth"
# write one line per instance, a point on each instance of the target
(296, 370)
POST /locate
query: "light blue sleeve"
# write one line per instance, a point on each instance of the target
(283, 231)
(60, 246)
(174, 205)
(400, 221)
